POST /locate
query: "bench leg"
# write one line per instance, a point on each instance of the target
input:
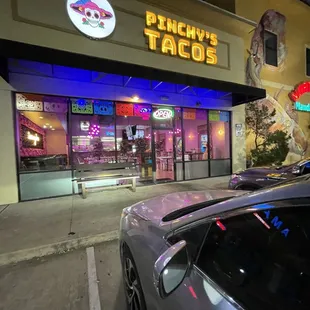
(83, 190)
(134, 184)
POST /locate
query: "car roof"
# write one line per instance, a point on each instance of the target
(291, 189)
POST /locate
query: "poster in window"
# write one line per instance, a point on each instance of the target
(82, 106)
(55, 104)
(124, 109)
(103, 107)
(27, 102)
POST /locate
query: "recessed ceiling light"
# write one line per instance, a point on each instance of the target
(41, 117)
(53, 128)
(47, 124)
(135, 98)
(44, 126)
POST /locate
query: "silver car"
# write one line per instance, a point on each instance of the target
(211, 250)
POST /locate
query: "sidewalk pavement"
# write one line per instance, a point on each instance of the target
(44, 227)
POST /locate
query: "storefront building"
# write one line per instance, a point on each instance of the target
(154, 88)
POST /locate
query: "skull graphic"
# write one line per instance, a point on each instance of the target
(93, 17)
(93, 14)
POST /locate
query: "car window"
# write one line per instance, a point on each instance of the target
(193, 237)
(305, 169)
(261, 259)
(302, 178)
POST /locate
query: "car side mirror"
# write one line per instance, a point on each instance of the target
(170, 269)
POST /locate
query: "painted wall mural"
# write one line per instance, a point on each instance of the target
(286, 117)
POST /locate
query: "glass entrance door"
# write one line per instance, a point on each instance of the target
(164, 155)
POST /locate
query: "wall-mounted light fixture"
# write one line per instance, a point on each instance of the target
(135, 98)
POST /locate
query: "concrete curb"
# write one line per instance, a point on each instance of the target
(56, 248)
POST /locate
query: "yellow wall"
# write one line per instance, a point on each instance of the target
(279, 82)
(297, 36)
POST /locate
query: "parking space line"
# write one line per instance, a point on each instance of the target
(93, 290)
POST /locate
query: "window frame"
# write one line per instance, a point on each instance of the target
(265, 54)
(307, 50)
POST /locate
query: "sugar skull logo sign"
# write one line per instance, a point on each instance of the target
(94, 18)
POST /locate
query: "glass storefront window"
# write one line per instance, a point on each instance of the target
(43, 141)
(93, 139)
(163, 117)
(187, 143)
(178, 134)
(219, 129)
(133, 136)
(196, 134)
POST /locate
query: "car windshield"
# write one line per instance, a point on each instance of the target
(289, 181)
(291, 166)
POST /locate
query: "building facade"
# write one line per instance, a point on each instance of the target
(177, 74)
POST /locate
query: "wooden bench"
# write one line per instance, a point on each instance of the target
(86, 173)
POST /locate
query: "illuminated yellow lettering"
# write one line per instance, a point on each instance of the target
(161, 23)
(181, 46)
(211, 56)
(168, 45)
(213, 39)
(200, 34)
(191, 32)
(207, 35)
(152, 36)
(172, 26)
(198, 52)
(181, 29)
(150, 18)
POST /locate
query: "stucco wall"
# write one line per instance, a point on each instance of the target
(47, 24)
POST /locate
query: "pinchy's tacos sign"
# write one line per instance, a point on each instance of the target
(94, 18)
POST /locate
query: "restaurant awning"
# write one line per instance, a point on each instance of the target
(237, 93)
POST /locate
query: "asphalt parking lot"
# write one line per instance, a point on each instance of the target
(64, 282)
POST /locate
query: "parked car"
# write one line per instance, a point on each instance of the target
(219, 249)
(256, 178)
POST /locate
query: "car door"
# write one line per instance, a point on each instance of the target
(256, 260)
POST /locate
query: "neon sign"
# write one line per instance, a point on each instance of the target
(300, 90)
(163, 114)
(193, 43)
(145, 110)
(84, 125)
(33, 138)
(302, 107)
